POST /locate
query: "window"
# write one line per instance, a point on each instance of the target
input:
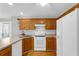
(5, 30)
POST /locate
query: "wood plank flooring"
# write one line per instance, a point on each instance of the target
(40, 53)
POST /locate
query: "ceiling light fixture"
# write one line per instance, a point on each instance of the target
(10, 3)
(21, 13)
(43, 4)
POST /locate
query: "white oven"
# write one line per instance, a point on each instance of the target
(40, 39)
(40, 43)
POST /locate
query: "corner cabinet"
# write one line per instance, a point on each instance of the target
(27, 45)
(6, 51)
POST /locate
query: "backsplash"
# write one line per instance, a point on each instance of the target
(50, 31)
(31, 32)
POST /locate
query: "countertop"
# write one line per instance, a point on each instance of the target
(7, 42)
(28, 36)
(4, 43)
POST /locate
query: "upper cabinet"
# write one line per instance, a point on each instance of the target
(24, 24)
(30, 23)
(50, 24)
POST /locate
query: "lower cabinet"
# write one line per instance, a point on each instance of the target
(6, 52)
(51, 43)
(27, 44)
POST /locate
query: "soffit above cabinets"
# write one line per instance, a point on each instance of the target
(53, 10)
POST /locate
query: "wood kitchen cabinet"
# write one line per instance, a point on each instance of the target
(29, 23)
(40, 20)
(32, 24)
(51, 43)
(27, 44)
(24, 24)
(50, 24)
(6, 52)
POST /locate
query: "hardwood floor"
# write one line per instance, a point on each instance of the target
(40, 53)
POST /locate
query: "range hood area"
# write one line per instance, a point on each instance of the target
(39, 29)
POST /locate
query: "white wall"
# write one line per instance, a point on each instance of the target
(69, 34)
(78, 31)
(17, 47)
(59, 37)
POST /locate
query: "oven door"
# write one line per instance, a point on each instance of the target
(40, 43)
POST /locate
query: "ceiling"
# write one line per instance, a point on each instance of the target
(51, 10)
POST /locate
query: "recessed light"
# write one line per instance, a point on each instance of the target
(10, 3)
(21, 13)
(43, 4)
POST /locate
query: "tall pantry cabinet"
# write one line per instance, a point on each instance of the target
(67, 34)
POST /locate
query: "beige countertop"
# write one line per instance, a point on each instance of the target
(4, 43)
(50, 35)
(7, 42)
(28, 36)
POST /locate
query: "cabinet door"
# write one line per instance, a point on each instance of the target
(24, 24)
(27, 24)
(6, 51)
(50, 24)
(27, 44)
(32, 24)
(50, 43)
